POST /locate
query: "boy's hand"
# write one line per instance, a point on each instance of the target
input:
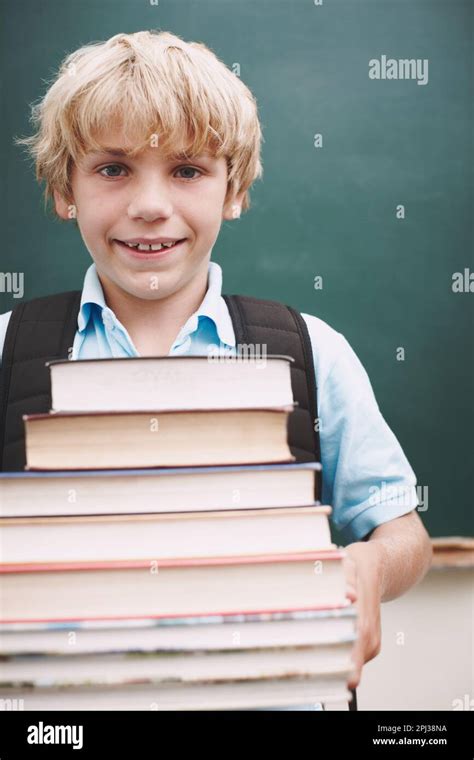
(364, 588)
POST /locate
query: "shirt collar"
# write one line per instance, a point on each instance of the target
(213, 305)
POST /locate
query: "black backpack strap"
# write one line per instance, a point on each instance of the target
(283, 331)
(310, 376)
(38, 331)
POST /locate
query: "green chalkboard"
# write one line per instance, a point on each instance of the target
(326, 206)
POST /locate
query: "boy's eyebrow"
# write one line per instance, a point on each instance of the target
(108, 151)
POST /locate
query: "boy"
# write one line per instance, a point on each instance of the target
(148, 141)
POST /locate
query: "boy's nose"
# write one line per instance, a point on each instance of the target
(150, 203)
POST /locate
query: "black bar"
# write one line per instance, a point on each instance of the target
(446, 734)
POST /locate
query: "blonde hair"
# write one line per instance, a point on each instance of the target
(150, 83)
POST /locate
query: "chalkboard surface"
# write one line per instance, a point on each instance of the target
(379, 205)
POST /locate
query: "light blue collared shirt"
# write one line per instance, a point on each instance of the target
(366, 477)
(101, 335)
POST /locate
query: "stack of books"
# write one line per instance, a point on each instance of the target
(164, 551)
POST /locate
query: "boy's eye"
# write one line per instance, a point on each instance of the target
(189, 169)
(111, 166)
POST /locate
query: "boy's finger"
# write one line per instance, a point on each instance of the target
(351, 593)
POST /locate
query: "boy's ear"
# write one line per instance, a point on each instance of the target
(63, 206)
(233, 207)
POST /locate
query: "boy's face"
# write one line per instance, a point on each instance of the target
(121, 199)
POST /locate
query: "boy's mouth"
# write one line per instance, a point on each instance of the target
(143, 251)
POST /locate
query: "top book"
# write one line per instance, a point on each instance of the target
(170, 382)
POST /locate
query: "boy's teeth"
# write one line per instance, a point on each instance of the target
(142, 247)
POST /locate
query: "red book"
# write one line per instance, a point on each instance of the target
(173, 587)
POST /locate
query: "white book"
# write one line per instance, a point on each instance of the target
(163, 536)
(189, 667)
(170, 489)
(170, 382)
(207, 632)
(227, 695)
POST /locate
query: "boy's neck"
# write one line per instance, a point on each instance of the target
(154, 324)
